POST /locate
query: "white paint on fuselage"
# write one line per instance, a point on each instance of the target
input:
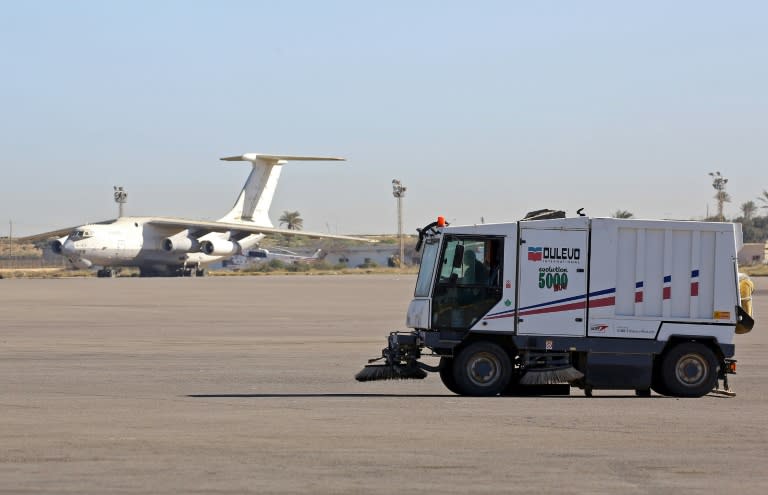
(131, 241)
(138, 241)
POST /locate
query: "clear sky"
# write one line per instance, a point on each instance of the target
(483, 109)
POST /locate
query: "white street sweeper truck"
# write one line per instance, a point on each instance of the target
(552, 303)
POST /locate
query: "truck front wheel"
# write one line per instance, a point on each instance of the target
(446, 374)
(689, 369)
(482, 369)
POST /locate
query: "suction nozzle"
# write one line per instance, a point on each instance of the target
(551, 375)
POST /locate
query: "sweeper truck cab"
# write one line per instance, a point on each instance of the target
(594, 303)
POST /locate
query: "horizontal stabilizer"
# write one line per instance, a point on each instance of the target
(251, 157)
(256, 196)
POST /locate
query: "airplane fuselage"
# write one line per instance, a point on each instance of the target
(178, 246)
(133, 242)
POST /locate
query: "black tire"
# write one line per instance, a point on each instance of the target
(689, 369)
(482, 369)
(446, 374)
(657, 380)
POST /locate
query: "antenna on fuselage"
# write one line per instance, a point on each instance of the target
(121, 197)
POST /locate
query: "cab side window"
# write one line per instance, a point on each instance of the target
(469, 283)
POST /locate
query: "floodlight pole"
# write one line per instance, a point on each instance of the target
(121, 197)
(398, 191)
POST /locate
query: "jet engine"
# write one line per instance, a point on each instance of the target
(81, 263)
(220, 247)
(58, 245)
(180, 242)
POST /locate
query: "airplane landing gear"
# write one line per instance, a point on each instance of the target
(190, 271)
(106, 272)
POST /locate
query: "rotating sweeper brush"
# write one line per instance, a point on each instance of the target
(548, 368)
(400, 361)
(373, 372)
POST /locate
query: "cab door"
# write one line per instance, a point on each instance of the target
(468, 281)
(552, 282)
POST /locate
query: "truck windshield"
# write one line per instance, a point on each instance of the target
(428, 260)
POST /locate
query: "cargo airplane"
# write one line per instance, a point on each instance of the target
(164, 246)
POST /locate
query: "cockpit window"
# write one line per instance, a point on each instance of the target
(80, 234)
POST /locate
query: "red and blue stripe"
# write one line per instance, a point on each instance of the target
(694, 283)
(667, 290)
(596, 299)
(639, 292)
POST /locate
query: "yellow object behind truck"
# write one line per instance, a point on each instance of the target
(746, 287)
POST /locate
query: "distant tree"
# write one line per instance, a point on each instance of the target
(764, 198)
(292, 220)
(722, 197)
(748, 210)
(622, 214)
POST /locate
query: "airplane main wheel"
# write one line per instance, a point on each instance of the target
(200, 272)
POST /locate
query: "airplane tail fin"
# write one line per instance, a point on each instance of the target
(253, 203)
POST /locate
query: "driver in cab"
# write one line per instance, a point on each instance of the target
(475, 272)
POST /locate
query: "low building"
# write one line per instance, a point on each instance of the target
(753, 253)
(374, 255)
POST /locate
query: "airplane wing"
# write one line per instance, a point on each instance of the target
(213, 226)
(56, 233)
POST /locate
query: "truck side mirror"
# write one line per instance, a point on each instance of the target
(458, 256)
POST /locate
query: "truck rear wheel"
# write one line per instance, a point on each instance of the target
(446, 374)
(689, 369)
(482, 369)
(657, 380)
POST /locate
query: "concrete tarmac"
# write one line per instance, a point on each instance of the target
(245, 385)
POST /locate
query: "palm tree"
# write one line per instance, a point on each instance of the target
(722, 197)
(748, 209)
(622, 214)
(764, 198)
(719, 182)
(292, 220)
